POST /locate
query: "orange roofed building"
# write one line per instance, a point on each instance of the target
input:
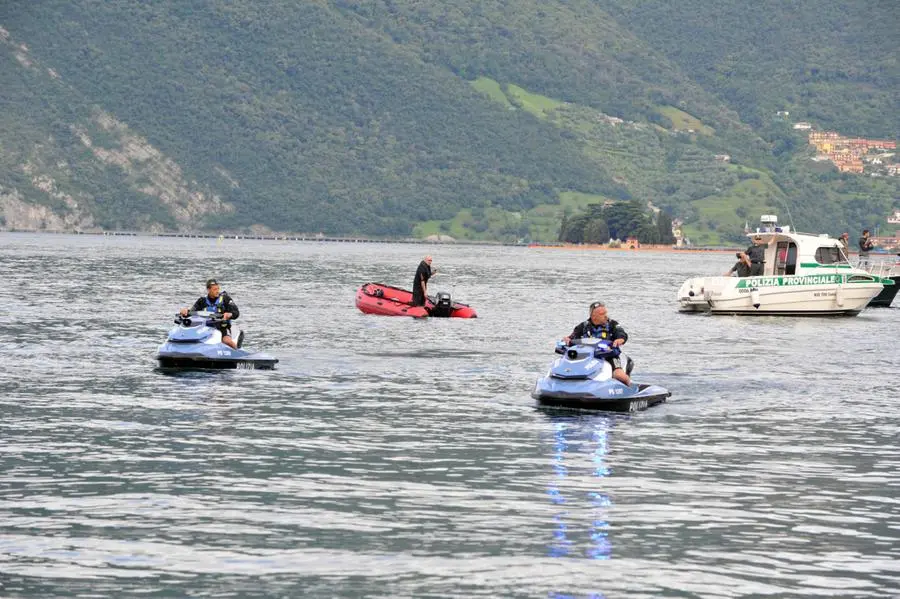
(846, 152)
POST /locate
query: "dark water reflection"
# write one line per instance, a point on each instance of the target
(399, 458)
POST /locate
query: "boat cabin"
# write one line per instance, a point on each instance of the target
(791, 253)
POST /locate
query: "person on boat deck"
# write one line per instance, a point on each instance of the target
(865, 245)
(420, 281)
(845, 244)
(599, 326)
(221, 303)
(757, 255)
(741, 267)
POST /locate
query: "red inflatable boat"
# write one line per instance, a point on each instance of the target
(377, 298)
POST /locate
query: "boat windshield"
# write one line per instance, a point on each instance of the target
(831, 255)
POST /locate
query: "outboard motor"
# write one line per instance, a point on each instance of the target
(443, 305)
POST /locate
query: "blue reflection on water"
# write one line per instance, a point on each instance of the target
(585, 440)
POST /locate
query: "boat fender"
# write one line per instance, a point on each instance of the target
(754, 297)
(839, 295)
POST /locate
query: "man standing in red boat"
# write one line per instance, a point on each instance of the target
(420, 282)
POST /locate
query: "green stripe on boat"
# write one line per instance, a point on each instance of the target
(791, 281)
(817, 265)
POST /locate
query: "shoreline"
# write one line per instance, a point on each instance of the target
(357, 239)
(409, 241)
(338, 239)
(643, 248)
(261, 237)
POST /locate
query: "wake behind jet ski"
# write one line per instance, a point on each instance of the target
(583, 378)
(196, 342)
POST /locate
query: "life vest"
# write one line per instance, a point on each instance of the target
(216, 306)
(602, 331)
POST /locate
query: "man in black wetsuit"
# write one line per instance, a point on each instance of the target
(599, 326)
(221, 303)
(420, 281)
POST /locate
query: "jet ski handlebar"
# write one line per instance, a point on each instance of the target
(601, 347)
(195, 318)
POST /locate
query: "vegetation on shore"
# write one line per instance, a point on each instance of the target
(400, 118)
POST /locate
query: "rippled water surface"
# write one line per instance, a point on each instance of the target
(390, 457)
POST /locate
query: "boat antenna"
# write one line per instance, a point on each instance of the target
(788, 210)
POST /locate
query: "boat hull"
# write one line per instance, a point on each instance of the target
(799, 295)
(887, 295)
(385, 300)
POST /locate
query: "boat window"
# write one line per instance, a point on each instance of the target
(830, 255)
(785, 258)
(791, 266)
(780, 257)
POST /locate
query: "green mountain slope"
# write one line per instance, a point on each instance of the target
(828, 61)
(484, 120)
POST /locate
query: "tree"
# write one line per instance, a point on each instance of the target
(664, 228)
(596, 231)
(574, 232)
(625, 218)
(647, 233)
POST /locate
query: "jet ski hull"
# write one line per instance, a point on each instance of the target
(183, 363)
(194, 344)
(607, 396)
(212, 357)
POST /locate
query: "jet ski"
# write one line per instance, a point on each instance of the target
(196, 342)
(582, 378)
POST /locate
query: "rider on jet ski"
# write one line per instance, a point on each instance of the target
(599, 326)
(219, 302)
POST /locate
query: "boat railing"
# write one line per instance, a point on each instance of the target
(882, 268)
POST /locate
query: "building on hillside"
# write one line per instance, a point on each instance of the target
(722, 158)
(802, 126)
(889, 243)
(849, 153)
(851, 166)
(894, 219)
(676, 230)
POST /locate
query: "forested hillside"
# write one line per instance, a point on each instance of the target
(829, 61)
(484, 120)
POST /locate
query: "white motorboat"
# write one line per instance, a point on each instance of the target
(803, 275)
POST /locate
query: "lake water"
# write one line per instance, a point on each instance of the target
(390, 457)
